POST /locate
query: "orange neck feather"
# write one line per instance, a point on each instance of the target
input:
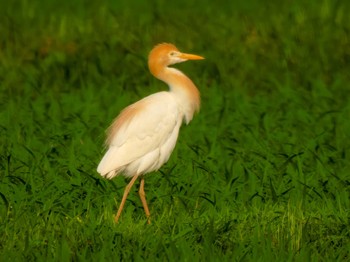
(180, 85)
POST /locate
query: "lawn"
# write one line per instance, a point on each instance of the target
(262, 173)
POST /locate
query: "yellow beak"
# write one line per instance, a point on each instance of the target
(190, 57)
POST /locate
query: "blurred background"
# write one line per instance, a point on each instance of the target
(262, 172)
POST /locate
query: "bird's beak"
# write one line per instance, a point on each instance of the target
(190, 57)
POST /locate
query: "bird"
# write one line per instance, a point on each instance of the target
(143, 136)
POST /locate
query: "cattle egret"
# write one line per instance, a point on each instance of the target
(141, 139)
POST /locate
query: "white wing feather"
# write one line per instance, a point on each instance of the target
(146, 139)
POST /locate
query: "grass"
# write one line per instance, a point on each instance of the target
(261, 174)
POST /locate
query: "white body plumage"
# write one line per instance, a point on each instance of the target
(145, 142)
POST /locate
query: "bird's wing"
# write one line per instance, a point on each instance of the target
(139, 129)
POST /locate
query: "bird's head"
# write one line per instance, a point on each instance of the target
(163, 55)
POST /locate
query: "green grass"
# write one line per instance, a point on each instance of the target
(261, 174)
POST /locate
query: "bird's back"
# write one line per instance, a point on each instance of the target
(142, 138)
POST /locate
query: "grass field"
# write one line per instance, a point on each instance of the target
(261, 174)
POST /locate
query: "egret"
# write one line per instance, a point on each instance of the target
(141, 139)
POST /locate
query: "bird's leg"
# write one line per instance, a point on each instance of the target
(143, 199)
(125, 195)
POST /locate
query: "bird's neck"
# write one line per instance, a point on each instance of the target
(184, 90)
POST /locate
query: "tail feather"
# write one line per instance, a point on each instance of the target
(109, 166)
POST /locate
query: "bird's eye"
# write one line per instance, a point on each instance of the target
(172, 53)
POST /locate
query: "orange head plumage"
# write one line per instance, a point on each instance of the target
(163, 55)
